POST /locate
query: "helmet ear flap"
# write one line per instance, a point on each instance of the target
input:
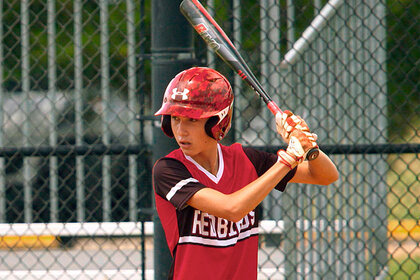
(166, 125)
(211, 122)
(167, 129)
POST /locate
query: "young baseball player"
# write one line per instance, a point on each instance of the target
(206, 193)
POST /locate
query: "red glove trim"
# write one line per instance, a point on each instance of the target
(287, 159)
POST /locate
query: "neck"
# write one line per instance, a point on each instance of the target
(209, 161)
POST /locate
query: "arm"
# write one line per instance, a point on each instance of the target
(235, 206)
(169, 173)
(321, 171)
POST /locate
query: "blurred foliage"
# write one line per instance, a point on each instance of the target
(65, 43)
(403, 65)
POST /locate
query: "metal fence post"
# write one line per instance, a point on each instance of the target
(172, 52)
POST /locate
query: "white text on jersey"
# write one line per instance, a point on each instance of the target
(206, 225)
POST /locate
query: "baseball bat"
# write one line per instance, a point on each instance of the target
(217, 39)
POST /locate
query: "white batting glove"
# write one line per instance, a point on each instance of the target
(286, 122)
(300, 143)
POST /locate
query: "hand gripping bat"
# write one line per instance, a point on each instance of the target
(217, 39)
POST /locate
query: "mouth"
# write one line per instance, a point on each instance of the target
(184, 144)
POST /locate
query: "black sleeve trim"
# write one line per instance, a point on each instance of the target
(167, 173)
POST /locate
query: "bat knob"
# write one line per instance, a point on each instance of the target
(312, 154)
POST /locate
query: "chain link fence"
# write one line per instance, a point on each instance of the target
(337, 64)
(75, 174)
(75, 186)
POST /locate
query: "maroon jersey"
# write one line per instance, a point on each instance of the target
(204, 246)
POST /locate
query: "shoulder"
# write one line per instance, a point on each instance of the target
(167, 165)
(173, 182)
(261, 160)
(256, 155)
(236, 147)
(166, 173)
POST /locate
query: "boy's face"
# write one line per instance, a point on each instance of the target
(191, 136)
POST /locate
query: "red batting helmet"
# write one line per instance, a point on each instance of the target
(199, 93)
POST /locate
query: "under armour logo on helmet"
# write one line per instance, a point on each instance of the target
(180, 96)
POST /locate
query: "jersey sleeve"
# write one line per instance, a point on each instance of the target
(262, 161)
(174, 183)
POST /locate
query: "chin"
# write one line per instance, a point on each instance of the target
(188, 152)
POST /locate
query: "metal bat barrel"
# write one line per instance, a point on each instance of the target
(215, 38)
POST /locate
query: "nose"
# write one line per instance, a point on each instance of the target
(181, 128)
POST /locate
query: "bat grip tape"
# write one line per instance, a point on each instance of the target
(274, 108)
(313, 153)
